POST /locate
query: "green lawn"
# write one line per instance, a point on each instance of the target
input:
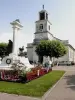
(34, 88)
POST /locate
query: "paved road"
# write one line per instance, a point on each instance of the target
(63, 90)
(65, 68)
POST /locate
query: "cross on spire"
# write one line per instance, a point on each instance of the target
(43, 6)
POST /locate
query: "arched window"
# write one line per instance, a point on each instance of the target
(46, 16)
(42, 16)
(49, 27)
(41, 26)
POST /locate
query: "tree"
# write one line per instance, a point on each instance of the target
(58, 49)
(9, 47)
(52, 48)
(40, 50)
(3, 49)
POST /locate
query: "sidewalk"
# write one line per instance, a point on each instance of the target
(65, 68)
(5, 96)
(65, 88)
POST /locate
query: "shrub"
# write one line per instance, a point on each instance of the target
(22, 76)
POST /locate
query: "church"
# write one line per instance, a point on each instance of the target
(42, 32)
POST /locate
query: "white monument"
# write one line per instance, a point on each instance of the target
(13, 57)
(16, 25)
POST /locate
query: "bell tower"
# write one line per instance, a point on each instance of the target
(42, 32)
(42, 27)
(43, 15)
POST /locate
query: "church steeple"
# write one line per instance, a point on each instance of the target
(43, 6)
(42, 28)
(43, 14)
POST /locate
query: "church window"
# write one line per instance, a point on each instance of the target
(46, 16)
(42, 16)
(41, 26)
(49, 27)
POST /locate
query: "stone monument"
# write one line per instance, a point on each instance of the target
(13, 57)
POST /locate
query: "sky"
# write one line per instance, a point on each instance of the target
(61, 15)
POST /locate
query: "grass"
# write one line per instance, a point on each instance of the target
(35, 88)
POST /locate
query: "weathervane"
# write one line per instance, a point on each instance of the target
(43, 6)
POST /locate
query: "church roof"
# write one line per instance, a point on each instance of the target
(43, 11)
(66, 43)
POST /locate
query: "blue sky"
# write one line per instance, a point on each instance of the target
(61, 15)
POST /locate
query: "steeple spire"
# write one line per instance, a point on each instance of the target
(43, 6)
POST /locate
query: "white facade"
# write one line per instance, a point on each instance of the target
(35, 56)
(30, 52)
(71, 54)
(42, 32)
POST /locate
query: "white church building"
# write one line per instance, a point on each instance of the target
(42, 32)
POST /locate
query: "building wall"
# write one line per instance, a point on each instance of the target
(30, 52)
(50, 37)
(38, 24)
(44, 35)
(41, 35)
(32, 56)
(74, 56)
(35, 56)
(71, 54)
(48, 24)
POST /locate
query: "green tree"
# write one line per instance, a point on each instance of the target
(58, 49)
(52, 48)
(41, 50)
(3, 49)
(9, 47)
